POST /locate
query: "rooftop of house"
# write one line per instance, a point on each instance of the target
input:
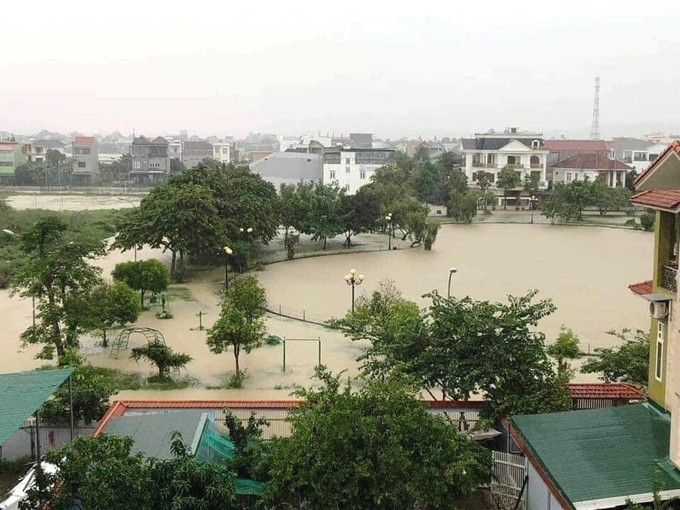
(151, 432)
(625, 143)
(49, 144)
(509, 131)
(189, 147)
(591, 161)
(658, 199)
(606, 454)
(642, 288)
(576, 145)
(497, 143)
(143, 140)
(330, 150)
(23, 393)
(84, 140)
(607, 391)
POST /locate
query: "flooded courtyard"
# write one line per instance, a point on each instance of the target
(584, 270)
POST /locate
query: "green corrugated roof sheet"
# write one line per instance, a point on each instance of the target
(600, 453)
(22, 394)
(151, 432)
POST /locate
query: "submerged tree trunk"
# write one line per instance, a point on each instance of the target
(173, 263)
(325, 240)
(237, 352)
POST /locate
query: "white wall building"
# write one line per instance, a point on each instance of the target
(491, 152)
(350, 168)
(222, 152)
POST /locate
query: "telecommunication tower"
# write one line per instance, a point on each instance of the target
(595, 127)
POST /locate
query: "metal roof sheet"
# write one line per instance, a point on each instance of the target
(599, 453)
(151, 432)
(22, 394)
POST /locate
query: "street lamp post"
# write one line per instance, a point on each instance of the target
(227, 251)
(533, 201)
(452, 271)
(389, 231)
(244, 232)
(352, 279)
(135, 206)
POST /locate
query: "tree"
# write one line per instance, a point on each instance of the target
(567, 201)
(323, 219)
(241, 324)
(293, 208)
(89, 393)
(57, 274)
(102, 472)
(647, 220)
(657, 502)
(359, 213)
(606, 198)
(483, 183)
(162, 357)
(508, 179)
(631, 175)
(54, 158)
(461, 347)
(531, 184)
(110, 304)
(429, 184)
(184, 482)
(628, 362)
(85, 469)
(143, 275)
(431, 231)
(30, 174)
(362, 449)
(565, 348)
(462, 207)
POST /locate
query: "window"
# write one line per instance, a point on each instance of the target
(347, 187)
(332, 174)
(362, 174)
(348, 169)
(660, 333)
(612, 154)
(534, 161)
(81, 164)
(639, 156)
(6, 163)
(575, 176)
(346, 161)
(535, 144)
(136, 165)
(568, 176)
(511, 160)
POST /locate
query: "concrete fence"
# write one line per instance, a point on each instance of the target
(23, 443)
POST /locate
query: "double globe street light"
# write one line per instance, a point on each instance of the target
(352, 279)
(227, 253)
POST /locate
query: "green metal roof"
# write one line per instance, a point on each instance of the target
(22, 394)
(151, 431)
(600, 453)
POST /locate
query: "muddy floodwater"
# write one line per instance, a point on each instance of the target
(585, 271)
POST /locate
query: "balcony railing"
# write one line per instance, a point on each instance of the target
(477, 164)
(536, 165)
(669, 278)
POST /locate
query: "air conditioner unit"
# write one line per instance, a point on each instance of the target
(658, 309)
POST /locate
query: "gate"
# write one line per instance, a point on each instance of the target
(509, 478)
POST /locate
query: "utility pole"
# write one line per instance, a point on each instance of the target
(595, 127)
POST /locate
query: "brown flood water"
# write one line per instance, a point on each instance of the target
(584, 270)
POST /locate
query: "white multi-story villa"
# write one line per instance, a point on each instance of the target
(491, 152)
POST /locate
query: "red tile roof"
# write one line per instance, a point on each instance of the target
(610, 391)
(576, 145)
(642, 288)
(673, 147)
(119, 407)
(593, 161)
(658, 198)
(84, 140)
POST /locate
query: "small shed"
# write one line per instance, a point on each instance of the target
(599, 395)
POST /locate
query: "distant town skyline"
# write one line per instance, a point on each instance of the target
(288, 68)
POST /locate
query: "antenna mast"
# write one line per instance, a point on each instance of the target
(595, 127)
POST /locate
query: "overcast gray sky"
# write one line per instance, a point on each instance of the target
(392, 68)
